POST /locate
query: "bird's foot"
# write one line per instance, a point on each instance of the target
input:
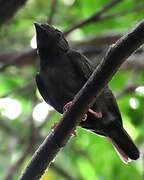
(73, 133)
(54, 126)
(96, 114)
(68, 105)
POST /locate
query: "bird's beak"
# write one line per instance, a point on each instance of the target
(42, 28)
(38, 27)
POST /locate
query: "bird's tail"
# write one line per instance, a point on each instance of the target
(124, 145)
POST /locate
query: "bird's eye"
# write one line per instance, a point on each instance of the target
(59, 34)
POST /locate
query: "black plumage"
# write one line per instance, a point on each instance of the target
(63, 72)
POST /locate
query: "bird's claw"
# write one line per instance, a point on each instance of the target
(96, 114)
(54, 126)
(84, 118)
(73, 133)
(68, 105)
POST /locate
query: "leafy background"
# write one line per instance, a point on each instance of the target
(25, 120)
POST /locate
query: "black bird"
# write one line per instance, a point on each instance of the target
(63, 72)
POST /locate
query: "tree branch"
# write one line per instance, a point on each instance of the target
(52, 12)
(138, 8)
(116, 55)
(17, 58)
(16, 166)
(135, 62)
(4, 126)
(126, 90)
(28, 56)
(94, 18)
(8, 9)
(91, 48)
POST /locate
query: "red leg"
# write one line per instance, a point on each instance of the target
(96, 114)
(67, 106)
(54, 126)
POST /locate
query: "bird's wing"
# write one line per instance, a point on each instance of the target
(85, 68)
(81, 64)
(111, 103)
(43, 91)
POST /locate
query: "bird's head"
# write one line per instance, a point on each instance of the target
(50, 39)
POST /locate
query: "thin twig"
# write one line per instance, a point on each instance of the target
(17, 165)
(52, 11)
(123, 13)
(94, 18)
(27, 152)
(116, 55)
(7, 128)
(29, 147)
(128, 89)
(98, 16)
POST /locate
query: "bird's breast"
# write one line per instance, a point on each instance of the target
(62, 84)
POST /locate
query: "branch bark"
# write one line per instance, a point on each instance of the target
(116, 55)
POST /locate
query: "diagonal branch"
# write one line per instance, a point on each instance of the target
(116, 55)
(94, 18)
(136, 9)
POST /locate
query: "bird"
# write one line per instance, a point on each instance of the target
(63, 72)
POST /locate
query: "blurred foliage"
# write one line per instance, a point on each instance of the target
(86, 156)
